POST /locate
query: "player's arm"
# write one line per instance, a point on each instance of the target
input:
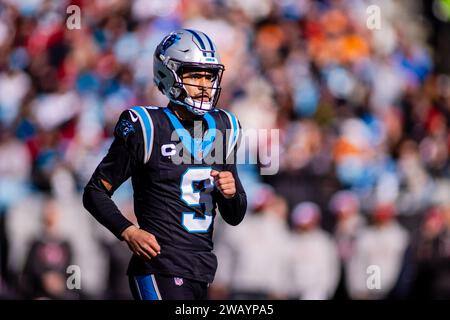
(117, 166)
(231, 198)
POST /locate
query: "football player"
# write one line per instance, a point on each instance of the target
(175, 201)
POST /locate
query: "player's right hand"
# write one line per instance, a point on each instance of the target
(142, 243)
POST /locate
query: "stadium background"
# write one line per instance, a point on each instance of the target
(361, 111)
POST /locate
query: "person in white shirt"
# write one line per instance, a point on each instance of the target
(345, 206)
(253, 257)
(314, 258)
(375, 267)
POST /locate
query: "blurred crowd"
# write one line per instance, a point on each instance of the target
(360, 207)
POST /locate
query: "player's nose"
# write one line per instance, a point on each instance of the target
(203, 81)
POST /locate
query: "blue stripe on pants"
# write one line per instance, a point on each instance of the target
(147, 290)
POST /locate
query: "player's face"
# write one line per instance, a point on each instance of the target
(198, 84)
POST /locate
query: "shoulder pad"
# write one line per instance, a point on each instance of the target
(235, 128)
(139, 113)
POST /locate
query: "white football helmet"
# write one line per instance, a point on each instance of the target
(181, 51)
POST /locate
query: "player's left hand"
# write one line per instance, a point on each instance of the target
(224, 181)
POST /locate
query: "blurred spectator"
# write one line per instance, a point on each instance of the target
(6, 292)
(314, 256)
(118, 256)
(433, 256)
(305, 164)
(14, 174)
(349, 222)
(416, 180)
(253, 257)
(358, 109)
(382, 245)
(44, 275)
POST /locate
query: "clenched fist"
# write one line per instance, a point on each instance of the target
(224, 181)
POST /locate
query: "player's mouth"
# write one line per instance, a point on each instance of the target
(202, 98)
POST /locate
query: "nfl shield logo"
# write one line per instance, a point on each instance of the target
(178, 281)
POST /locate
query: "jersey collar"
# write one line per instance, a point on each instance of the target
(197, 147)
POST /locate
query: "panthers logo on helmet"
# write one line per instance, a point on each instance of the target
(170, 41)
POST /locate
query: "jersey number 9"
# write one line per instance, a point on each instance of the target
(196, 186)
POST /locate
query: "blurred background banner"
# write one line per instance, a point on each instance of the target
(360, 94)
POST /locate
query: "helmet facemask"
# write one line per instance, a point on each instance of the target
(206, 95)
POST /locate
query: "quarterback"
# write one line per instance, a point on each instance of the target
(174, 202)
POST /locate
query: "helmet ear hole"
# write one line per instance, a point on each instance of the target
(175, 92)
(161, 74)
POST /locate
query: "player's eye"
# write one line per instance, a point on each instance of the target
(201, 75)
(195, 76)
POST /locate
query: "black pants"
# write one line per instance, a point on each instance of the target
(163, 287)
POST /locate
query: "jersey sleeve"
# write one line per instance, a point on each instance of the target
(124, 156)
(232, 210)
(131, 147)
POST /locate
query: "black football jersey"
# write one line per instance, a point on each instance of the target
(175, 199)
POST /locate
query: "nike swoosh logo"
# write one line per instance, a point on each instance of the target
(133, 117)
